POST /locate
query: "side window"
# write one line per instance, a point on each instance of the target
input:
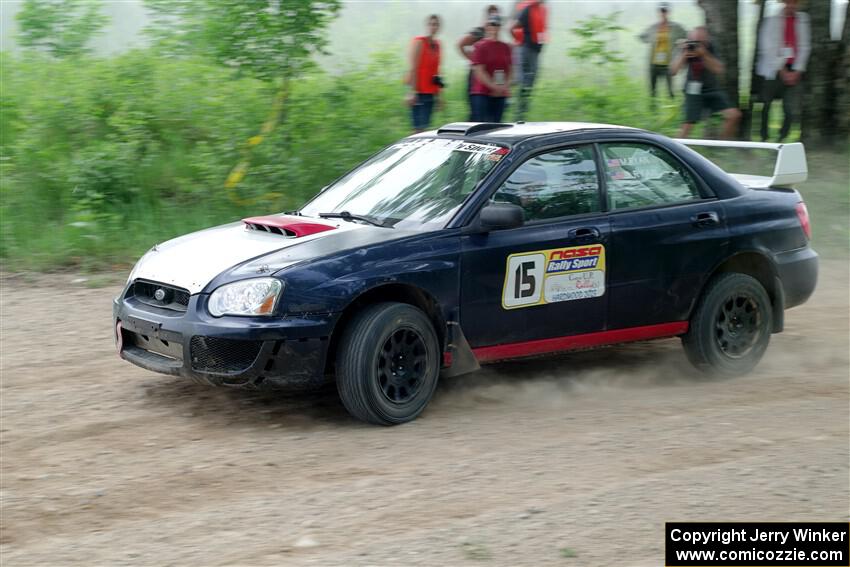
(553, 185)
(640, 175)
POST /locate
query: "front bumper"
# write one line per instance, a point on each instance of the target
(247, 352)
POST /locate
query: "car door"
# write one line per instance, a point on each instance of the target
(667, 233)
(546, 278)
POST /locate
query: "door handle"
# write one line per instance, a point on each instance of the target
(706, 219)
(584, 233)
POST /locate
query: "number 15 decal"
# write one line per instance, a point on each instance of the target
(523, 280)
(551, 276)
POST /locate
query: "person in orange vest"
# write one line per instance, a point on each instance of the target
(424, 77)
(529, 31)
(467, 44)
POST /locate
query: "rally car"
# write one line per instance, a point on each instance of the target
(475, 243)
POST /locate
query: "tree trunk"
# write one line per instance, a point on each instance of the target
(755, 79)
(721, 19)
(818, 123)
(842, 85)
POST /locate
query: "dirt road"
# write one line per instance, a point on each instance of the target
(576, 460)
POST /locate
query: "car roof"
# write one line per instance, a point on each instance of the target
(515, 132)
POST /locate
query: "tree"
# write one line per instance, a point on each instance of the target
(842, 83)
(268, 39)
(721, 19)
(272, 40)
(819, 123)
(61, 28)
(596, 35)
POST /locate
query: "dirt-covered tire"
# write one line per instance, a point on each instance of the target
(730, 328)
(388, 363)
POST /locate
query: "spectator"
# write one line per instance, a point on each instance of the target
(424, 76)
(529, 31)
(491, 67)
(662, 36)
(703, 91)
(467, 43)
(783, 53)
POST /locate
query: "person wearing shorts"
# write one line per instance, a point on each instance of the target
(704, 94)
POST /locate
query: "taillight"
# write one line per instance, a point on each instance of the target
(803, 215)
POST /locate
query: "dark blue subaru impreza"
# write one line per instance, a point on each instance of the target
(477, 243)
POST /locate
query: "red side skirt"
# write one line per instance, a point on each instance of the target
(574, 342)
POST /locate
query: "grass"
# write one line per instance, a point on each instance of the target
(568, 553)
(102, 158)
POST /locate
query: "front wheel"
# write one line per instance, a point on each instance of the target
(730, 328)
(388, 363)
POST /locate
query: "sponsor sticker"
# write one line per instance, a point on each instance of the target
(554, 275)
(454, 145)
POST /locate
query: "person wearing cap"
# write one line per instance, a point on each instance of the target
(662, 36)
(466, 46)
(424, 75)
(491, 68)
(784, 46)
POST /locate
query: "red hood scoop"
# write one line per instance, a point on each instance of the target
(285, 225)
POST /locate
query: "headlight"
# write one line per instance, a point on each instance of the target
(248, 297)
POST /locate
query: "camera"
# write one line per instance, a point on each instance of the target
(691, 45)
(438, 80)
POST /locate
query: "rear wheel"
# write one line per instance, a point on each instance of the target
(730, 328)
(387, 363)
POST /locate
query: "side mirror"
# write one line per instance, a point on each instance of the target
(500, 216)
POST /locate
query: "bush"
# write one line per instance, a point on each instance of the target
(102, 158)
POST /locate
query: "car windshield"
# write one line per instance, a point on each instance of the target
(415, 184)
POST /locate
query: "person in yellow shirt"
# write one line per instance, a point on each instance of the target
(661, 37)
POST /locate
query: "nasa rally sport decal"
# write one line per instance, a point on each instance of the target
(551, 276)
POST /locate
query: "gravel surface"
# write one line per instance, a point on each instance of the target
(574, 460)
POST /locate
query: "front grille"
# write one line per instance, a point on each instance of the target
(173, 298)
(223, 356)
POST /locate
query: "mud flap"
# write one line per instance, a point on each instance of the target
(778, 307)
(463, 360)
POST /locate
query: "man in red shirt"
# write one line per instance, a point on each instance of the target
(529, 31)
(491, 67)
(424, 76)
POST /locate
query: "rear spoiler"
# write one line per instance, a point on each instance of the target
(790, 165)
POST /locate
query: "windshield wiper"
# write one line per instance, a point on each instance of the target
(346, 216)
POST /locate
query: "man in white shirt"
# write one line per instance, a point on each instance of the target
(783, 53)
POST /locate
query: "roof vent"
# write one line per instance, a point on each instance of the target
(469, 128)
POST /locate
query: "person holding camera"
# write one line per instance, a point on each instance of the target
(466, 46)
(424, 76)
(491, 68)
(703, 90)
(662, 36)
(783, 52)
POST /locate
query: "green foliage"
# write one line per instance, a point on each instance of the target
(568, 553)
(60, 28)
(596, 35)
(102, 158)
(268, 39)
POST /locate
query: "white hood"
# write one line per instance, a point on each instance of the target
(193, 260)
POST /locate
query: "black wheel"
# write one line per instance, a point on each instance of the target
(387, 364)
(730, 327)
